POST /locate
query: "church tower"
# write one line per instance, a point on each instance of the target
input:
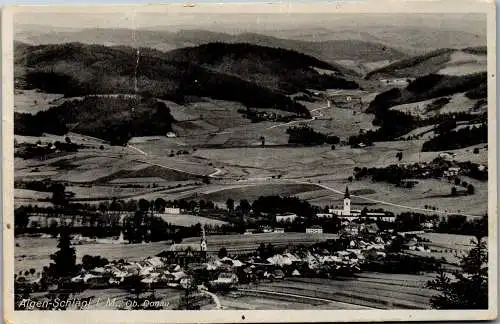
(347, 202)
(203, 243)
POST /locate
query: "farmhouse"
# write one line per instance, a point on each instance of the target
(279, 230)
(172, 210)
(286, 217)
(324, 215)
(351, 229)
(344, 98)
(370, 228)
(316, 229)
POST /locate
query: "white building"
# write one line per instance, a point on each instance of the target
(279, 230)
(324, 215)
(316, 229)
(172, 210)
(286, 217)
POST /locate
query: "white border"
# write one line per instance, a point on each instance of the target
(234, 316)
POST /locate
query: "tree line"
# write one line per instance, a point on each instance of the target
(456, 139)
(305, 135)
(114, 119)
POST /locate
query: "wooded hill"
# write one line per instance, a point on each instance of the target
(256, 76)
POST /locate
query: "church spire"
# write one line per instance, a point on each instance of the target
(203, 243)
(347, 195)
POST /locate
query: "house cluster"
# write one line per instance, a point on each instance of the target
(265, 115)
(397, 81)
(343, 99)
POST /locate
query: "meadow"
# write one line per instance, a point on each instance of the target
(35, 253)
(364, 291)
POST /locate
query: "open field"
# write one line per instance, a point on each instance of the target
(303, 162)
(252, 192)
(458, 103)
(366, 290)
(256, 165)
(462, 63)
(188, 220)
(363, 67)
(259, 299)
(35, 252)
(33, 101)
(427, 192)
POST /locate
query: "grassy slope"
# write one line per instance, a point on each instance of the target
(427, 87)
(414, 66)
(431, 62)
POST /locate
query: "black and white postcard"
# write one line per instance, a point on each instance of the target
(216, 163)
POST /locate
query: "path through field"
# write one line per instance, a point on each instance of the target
(383, 202)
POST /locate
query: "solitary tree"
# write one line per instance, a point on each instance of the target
(230, 204)
(64, 258)
(189, 300)
(245, 206)
(467, 288)
(453, 191)
(143, 205)
(160, 204)
(59, 198)
(222, 253)
(21, 217)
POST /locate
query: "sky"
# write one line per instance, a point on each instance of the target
(229, 22)
(274, 17)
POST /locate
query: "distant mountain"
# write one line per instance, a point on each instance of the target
(411, 40)
(443, 61)
(329, 51)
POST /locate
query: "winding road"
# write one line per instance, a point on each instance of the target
(214, 297)
(301, 121)
(382, 202)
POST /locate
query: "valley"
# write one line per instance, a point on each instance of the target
(340, 171)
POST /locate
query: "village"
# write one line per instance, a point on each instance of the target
(205, 272)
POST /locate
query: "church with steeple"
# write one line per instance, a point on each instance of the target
(346, 210)
(350, 214)
(186, 253)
